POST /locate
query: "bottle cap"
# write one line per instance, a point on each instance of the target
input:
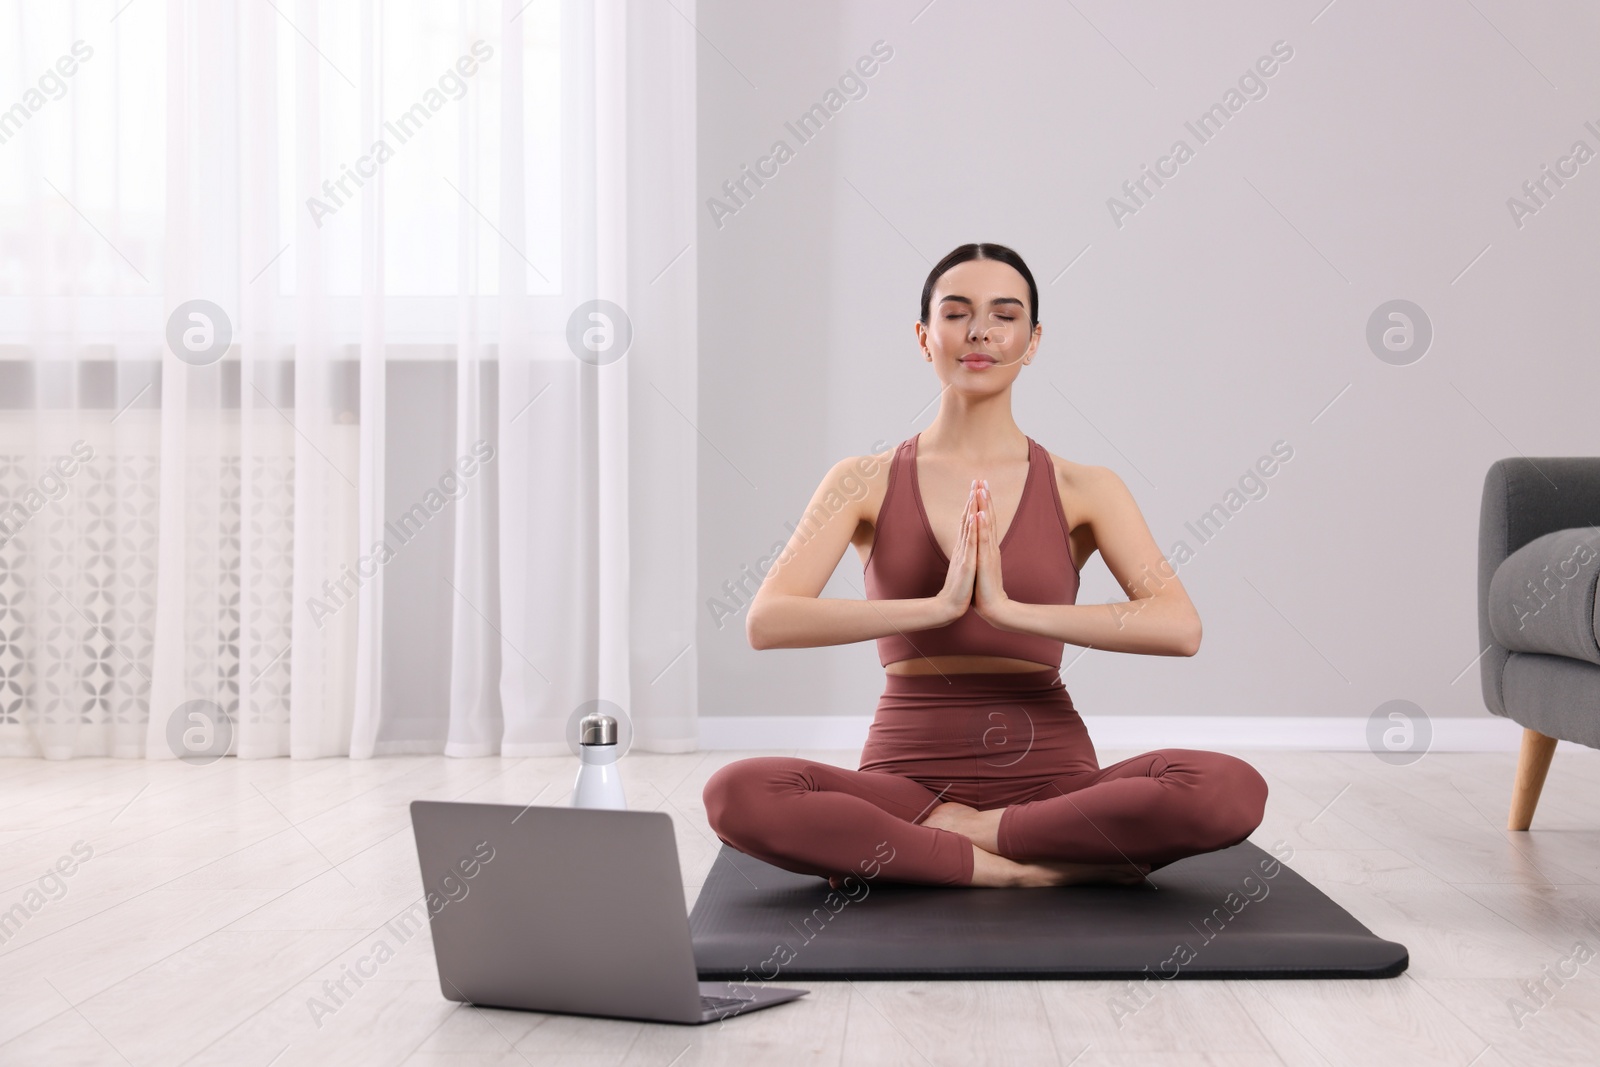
(597, 728)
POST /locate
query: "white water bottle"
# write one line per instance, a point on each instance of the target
(598, 784)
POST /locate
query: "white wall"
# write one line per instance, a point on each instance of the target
(1223, 316)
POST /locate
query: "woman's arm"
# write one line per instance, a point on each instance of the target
(800, 621)
(786, 611)
(1158, 619)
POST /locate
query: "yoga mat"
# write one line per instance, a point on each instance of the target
(1216, 915)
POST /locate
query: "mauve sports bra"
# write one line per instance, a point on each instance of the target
(906, 563)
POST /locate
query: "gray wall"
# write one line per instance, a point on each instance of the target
(1222, 316)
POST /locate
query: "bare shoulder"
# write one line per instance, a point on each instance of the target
(871, 471)
(875, 464)
(1083, 486)
(840, 512)
(863, 481)
(862, 477)
(854, 486)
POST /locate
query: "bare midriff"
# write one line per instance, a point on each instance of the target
(965, 665)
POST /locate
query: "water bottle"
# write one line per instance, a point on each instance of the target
(598, 784)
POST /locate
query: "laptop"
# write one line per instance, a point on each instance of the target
(577, 911)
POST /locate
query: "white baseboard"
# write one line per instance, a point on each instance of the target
(1138, 732)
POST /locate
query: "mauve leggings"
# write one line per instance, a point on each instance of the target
(991, 740)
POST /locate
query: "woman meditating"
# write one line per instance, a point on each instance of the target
(977, 769)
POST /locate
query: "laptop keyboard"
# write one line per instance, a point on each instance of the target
(722, 1002)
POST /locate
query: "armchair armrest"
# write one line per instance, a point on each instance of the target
(1542, 598)
(1524, 499)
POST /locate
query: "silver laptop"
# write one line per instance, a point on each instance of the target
(572, 910)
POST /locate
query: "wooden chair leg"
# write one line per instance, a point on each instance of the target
(1531, 767)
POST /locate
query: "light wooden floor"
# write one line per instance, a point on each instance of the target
(218, 899)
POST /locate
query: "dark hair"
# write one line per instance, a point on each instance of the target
(982, 250)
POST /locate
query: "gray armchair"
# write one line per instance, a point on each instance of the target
(1538, 561)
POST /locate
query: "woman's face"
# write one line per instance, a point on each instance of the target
(977, 333)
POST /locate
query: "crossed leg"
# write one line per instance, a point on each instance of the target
(1143, 812)
(1153, 808)
(815, 818)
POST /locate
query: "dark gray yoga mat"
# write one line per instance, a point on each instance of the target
(1216, 915)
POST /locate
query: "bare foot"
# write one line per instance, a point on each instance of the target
(982, 828)
(950, 816)
(1050, 872)
(991, 870)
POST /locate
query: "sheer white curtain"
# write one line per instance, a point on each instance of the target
(313, 438)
